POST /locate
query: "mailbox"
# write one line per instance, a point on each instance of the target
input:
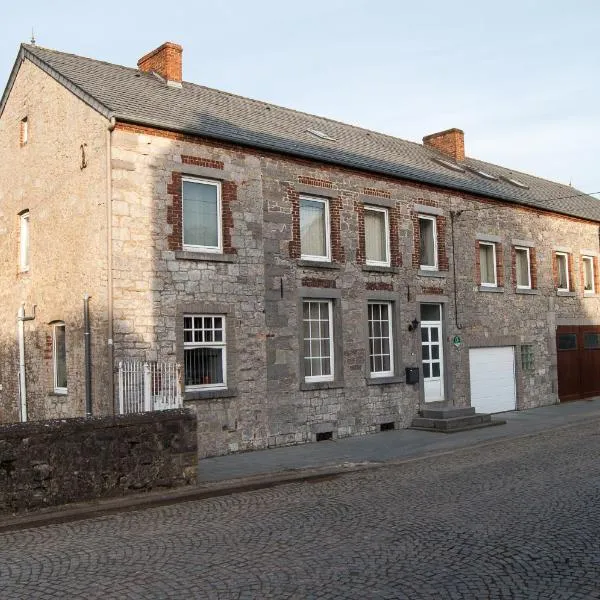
(412, 375)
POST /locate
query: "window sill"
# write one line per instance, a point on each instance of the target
(384, 380)
(58, 394)
(496, 290)
(566, 294)
(590, 295)
(318, 264)
(527, 291)
(209, 394)
(206, 256)
(321, 385)
(379, 269)
(428, 273)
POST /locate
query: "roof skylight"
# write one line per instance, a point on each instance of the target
(321, 134)
(449, 165)
(515, 182)
(483, 174)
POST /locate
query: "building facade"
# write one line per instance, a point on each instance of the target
(298, 269)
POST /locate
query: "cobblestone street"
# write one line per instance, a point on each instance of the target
(515, 519)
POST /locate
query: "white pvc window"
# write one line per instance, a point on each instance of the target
(24, 241)
(317, 320)
(202, 217)
(381, 347)
(314, 229)
(428, 250)
(562, 270)
(59, 358)
(523, 267)
(204, 352)
(487, 264)
(588, 275)
(377, 236)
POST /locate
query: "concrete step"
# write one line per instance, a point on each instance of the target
(491, 423)
(452, 423)
(446, 412)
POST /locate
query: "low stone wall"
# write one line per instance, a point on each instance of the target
(48, 463)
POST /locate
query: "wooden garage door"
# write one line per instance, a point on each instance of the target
(578, 357)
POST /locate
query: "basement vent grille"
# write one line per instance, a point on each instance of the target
(516, 182)
(321, 134)
(449, 165)
(483, 174)
(324, 436)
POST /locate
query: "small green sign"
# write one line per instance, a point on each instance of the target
(457, 341)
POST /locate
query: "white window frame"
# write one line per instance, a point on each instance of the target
(565, 255)
(58, 389)
(390, 372)
(218, 249)
(24, 238)
(488, 284)
(325, 202)
(380, 263)
(527, 250)
(331, 376)
(433, 267)
(222, 345)
(591, 291)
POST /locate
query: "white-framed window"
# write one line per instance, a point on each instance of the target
(487, 264)
(204, 352)
(523, 267)
(202, 215)
(24, 241)
(428, 250)
(587, 263)
(317, 320)
(381, 346)
(59, 358)
(315, 237)
(562, 271)
(377, 236)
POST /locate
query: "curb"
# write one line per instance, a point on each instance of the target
(202, 491)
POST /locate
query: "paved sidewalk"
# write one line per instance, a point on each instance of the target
(225, 475)
(389, 445)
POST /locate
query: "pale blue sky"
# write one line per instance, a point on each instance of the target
(519, 77)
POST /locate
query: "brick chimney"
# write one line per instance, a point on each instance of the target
(164, 61)
(450, 142)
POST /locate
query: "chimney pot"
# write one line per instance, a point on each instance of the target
(450, 142)
(164, 61)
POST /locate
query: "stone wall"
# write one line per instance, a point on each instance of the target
(48, 463)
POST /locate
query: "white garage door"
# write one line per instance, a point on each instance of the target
(493, 379)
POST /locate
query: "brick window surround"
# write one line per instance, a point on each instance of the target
(499, 263)
(532, 266)
(440, 224)
(570, 269)
(175, 210)
(393, 219)
(596, 274)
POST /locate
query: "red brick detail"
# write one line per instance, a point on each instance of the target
(450, 142)
(315, 182)
(477, 263)
(499, 265)
(202, 162)
(596, 276)
(315, 282)
(335, 211)
(294, 246)
(228, 197)
(571, 264)
(533, 267)
(380, 285)
(433, 290)
(244, 151)
(555, 270)
(175, 213)
(377, 193)
(359, 209)
(164, 60)
(440, 223)
(48, 347)
(396, 255)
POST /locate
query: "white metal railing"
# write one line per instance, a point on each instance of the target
(147, 386)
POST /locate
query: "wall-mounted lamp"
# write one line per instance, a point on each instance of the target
(413, 325)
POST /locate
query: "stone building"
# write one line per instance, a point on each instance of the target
(301, 270)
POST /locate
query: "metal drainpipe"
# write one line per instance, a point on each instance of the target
(88, 355)
(109, 264)
(21, 318)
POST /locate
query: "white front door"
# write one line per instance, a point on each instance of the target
(432, 352)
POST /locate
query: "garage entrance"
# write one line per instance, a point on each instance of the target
(578, 361)
(493, 379)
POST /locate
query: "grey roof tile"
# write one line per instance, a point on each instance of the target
(137, 97)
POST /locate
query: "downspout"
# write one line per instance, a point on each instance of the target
(21, 318)
(109, 264)
(88, 355)
(454, 215)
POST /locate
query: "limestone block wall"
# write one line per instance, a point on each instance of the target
(59, 176)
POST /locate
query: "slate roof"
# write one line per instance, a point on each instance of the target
(132, 96)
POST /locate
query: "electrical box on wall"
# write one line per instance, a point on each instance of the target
(412, 374)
